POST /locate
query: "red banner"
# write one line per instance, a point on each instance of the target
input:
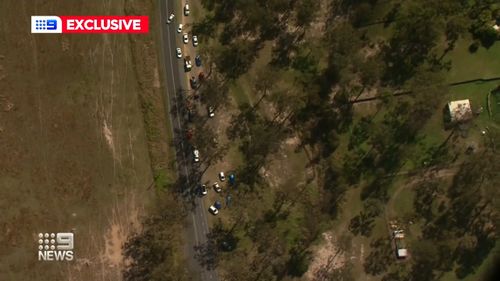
(105, 24)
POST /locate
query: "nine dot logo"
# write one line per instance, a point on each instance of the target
(89, 24)
(46, 24)
(55, 246)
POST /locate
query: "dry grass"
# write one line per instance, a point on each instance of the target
(73, 146)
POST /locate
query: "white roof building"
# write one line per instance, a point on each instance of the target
(402, 253)
(460, 110)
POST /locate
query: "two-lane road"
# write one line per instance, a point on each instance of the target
(175, 83)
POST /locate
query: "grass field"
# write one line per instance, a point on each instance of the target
(495, 106)
(73, 144)
(466, 66)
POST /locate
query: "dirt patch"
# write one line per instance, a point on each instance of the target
(293, 142)
(6, 104)
(327, 257)
(318, 26)
(109, 263)
(117, 234)
(108, 135)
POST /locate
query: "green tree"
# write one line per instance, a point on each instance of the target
(455, 28)
(235, 59)
(306, 11)
(153, 251)
(412, 41)
(206, 27)
(425, 194)
(380, 257)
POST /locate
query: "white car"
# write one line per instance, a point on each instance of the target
(196, 155)
(170, 18)
(178, 53)
(185, 38)
(187, 63)
(186, 9)
(213, 210)
(203, 190)
(211, 111)
(195, 40)
(217, 187)
(222, 177)
(179, 29)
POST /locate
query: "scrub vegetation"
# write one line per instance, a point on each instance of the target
(334, 110)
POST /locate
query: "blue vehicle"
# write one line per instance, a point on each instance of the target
(218, 205)
(197, 60)
(232, 179)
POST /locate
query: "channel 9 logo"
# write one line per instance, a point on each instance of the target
(55, 246)
(46, 24)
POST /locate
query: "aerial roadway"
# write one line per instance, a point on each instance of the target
(176, 83)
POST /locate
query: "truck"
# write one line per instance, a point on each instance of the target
(399, 241)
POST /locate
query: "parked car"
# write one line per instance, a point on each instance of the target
(222, 177)
(201, 76)
(203, 190)
(179, 29)
(170, 18)
(195, 40)
(185, 38)
(193, 82)
(187, 64)
(196, 155)
(226, 246)
(213, 210)
(197, 59)
(211, 111)
(186, 9)
(217, 187)
(178, 52)
(217, 205)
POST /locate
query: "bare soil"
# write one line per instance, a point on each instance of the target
(327, 257)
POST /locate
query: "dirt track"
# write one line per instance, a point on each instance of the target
(72, 143)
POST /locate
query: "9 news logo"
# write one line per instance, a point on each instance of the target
(55, 246)
(46, 24)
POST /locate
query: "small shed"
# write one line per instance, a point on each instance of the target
(402, 253)
(459, 111)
